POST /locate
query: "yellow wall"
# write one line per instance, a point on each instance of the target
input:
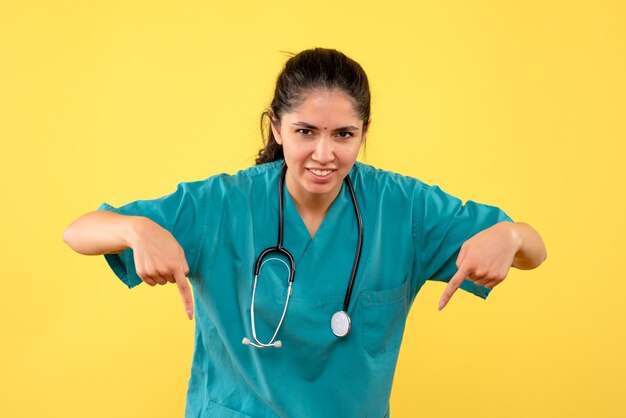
(518, 105)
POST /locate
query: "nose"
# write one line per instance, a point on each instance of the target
(323, 152)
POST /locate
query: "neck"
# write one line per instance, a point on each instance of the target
(307, 203)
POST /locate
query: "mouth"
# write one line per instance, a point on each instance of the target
(320, 172)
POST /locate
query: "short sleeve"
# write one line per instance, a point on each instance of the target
(444, 224)
(182, 213)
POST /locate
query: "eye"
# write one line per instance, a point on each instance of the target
(349, 135)
(304, 131)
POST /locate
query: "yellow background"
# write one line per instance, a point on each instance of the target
(520, 105)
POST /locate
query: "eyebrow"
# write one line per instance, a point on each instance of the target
(343, 128)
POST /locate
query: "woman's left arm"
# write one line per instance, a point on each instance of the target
(486, 258)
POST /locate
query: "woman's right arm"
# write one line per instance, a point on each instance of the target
(158, 257)
(102, 232)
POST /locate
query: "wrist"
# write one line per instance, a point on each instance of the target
(131, 232)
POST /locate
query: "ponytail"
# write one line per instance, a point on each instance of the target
(271, 151)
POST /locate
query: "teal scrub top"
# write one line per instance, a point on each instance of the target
(412, 233)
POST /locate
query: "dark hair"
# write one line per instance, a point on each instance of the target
(309, 70)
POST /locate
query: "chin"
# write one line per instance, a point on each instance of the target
(321, 189)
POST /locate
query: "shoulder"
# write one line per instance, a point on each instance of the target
(384, 182)
(261, 170)
(243, 179)
(244, 185)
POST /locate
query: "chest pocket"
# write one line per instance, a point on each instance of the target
(382, 316)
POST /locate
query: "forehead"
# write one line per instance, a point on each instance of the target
(324, 106)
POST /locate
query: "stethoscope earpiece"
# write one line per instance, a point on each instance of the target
(246, 341)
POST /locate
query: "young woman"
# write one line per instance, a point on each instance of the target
(322, 342)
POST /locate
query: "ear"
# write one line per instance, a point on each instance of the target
(275, 130)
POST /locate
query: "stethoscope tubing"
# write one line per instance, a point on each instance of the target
(282, 317)
(279, 246)
(359, 246)
(292, 269)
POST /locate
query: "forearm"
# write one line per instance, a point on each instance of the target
(101, 232)
(532, 251)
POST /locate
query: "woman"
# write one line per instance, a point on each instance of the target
(363, 240)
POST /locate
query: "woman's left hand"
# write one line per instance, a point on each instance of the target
(484, 259)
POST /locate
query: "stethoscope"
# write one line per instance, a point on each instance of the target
(340, 322)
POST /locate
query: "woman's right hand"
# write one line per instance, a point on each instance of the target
(159, 258)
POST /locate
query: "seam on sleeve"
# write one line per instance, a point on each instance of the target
(418, 227)
(205, 207)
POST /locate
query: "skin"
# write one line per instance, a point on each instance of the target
(311, 138)
(314, 136)
(485, 258)
(159, 258)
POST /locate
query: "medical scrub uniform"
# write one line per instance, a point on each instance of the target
(412, 233)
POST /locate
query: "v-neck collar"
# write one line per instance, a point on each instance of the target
(297, 235)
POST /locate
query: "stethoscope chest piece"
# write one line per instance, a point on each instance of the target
(340, 324)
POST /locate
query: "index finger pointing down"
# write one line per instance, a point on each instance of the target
(452, 286)
(185, 293)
